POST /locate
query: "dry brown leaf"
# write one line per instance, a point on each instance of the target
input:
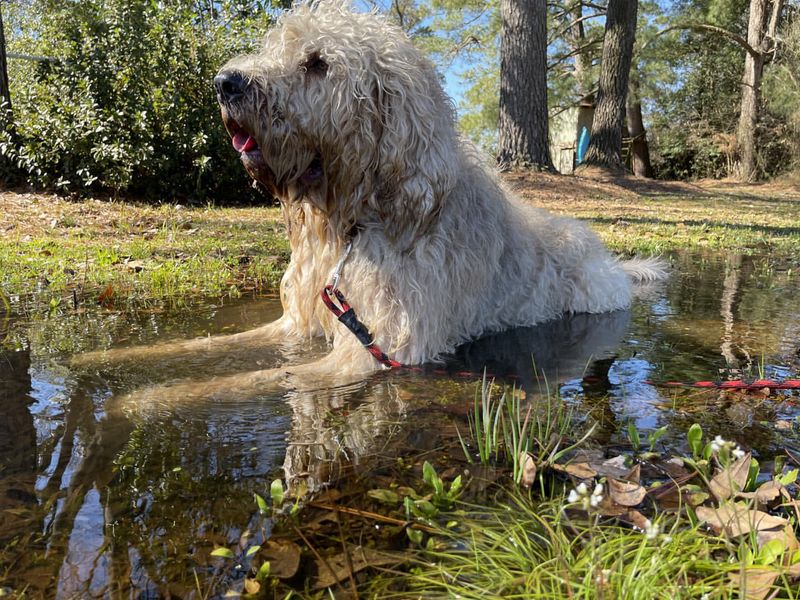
(734, 520)
(635, 474)
(637, 519)
(731, 479)
(767, 493)
(626, 494)
(579, 470)
(283, 556)
(756, 583)
(528, 469)
(360, 558)
(251, 586)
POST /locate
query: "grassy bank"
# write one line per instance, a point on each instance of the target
(52, 249)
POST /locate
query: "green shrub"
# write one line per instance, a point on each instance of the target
(128, 103)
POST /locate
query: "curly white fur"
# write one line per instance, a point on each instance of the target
(357, 140)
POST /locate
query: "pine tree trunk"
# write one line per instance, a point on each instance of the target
(605, 146)
(576, 37)
(523, 137)
(640, 150)
(5, 92)
(751, 88)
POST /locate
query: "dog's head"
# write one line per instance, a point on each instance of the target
(340, 110)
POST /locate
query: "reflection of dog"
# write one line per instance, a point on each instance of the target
(345, 122)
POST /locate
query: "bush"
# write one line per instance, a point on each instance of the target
(128, 104)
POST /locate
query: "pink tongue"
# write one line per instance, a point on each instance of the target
(242, 142)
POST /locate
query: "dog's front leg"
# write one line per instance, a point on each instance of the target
(277, 331)
(346, 363)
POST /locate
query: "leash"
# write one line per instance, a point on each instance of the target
(336, 302)
(331, 295)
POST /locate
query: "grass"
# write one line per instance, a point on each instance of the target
(528, 549)
(53, 250)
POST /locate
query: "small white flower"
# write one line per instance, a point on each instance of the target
(597, 496)
(718, 444)
(738, 453)
(651, 530)
(603, 576)
(581, 495)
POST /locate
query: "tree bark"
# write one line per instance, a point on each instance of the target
(576, 36)
(640, 150)
(5, 92)
(761, 38)
(751, 87)
(605, 146)
(523, 137)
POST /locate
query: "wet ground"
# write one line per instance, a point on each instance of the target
(99, 496)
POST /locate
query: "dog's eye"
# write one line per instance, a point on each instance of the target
(315, 65)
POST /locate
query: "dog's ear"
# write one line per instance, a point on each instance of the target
(416, 157)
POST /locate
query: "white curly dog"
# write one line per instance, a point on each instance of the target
(346, 123)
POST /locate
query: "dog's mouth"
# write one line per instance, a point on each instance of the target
(242, 141)
(247, 147)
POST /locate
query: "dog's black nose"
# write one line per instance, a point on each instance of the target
(230, 85)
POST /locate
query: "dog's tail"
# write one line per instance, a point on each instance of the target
(645, 270)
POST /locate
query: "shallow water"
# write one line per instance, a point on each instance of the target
(99, 496)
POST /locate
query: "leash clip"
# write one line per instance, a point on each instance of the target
(337, 270)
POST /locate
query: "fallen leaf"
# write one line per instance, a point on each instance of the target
(756, 583)
(766, 493)
(637, 519)
(283, 556)
(528, 469)
(251, 586)
(735, 520)
(579, 470)
(731, 479)
(626, 494)
(360, 558)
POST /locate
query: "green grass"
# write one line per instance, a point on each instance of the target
(51, 248)
(145, 254)
(525, 549)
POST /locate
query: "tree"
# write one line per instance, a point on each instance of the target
(5, 92)
(605, 146)
(640, 151)
(523, 137)
(760, 44)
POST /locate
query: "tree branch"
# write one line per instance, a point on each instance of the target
(706, 28)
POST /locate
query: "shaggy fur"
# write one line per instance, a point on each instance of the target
(346, 123)
(356, 138)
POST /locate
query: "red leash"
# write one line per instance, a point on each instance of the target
(347, 316)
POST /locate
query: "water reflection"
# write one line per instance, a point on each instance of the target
(102, 498)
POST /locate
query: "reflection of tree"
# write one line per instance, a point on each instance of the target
(730, 288)
(17, 445)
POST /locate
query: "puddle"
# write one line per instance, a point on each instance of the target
(99, 497)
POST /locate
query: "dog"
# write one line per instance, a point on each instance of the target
(345, 122)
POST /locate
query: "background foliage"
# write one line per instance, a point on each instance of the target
(127, 104)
